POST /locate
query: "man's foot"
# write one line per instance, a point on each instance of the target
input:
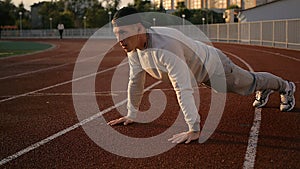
(287, 98)
(261, 98)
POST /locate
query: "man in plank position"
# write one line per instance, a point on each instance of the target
(159, 51)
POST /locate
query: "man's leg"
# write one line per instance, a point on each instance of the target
(60, 34)
(269, 81)
(266, 83)
(243, 82)
(239, 81)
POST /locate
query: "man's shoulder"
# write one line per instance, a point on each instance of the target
(166, 31)
(167, 38)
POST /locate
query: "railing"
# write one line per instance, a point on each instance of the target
(278, 33)
(48, 33)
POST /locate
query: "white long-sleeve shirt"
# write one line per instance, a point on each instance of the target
(170, 56)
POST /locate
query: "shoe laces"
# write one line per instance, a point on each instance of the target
(285, 97)
(262, 94)
(258, 95)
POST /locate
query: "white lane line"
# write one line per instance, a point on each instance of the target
(273, 53)
(278, 54)
(44, 69)
(240, 59)
(62, 132)
(249, 160)
(102, 93)
(60, 84)
(35, 60)
(35, 71)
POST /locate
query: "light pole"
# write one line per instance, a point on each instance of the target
(50, 19)
(154, 19)
(183, 16)
(109, 22)
(84, 25)
(20, 14)
(203, 20)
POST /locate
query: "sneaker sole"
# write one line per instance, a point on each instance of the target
(293, 102)
(266, 100)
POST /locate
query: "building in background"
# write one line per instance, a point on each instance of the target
(36, 18)
(211, 4)
(275, 10)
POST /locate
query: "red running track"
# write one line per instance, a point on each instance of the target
(37, 112)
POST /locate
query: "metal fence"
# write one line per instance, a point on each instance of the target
(49, 33)
(278, 33)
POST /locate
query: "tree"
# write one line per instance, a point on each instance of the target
(96, 16)
(233, 7)
(182, 10)
(7, 13)
(143, 5)
(25, 17)
(66, 18)
(112, 5)
(58, 13)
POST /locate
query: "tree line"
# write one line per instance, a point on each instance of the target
(77, 14)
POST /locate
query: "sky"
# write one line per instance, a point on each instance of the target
(28, 3)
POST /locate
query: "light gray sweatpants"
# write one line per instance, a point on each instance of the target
(243, 82)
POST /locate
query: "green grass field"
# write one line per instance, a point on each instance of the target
(12, 48)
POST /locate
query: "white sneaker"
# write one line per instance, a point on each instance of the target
(287, 98)
(261, 98)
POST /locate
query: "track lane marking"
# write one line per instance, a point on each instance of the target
(33, 60)
(62, 132)
(102, 93)
(44, 69)
(250, 155)
(249, 159)
(253, 133)
(60, 84)
(269, 52)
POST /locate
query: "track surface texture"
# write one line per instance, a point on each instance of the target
(36, 103)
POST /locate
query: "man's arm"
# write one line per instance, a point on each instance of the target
(136, 83)
(180, 77)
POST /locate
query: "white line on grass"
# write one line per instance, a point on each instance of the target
(62, 132)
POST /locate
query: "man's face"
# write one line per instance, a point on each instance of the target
(127, 36)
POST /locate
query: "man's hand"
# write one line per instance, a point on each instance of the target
(123, 120)
(185, 136)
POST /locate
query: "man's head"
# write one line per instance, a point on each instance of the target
(129, 29)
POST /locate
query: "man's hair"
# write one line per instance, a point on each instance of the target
(128, 16)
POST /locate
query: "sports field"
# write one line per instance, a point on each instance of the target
(40, 127)
(13, 48)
